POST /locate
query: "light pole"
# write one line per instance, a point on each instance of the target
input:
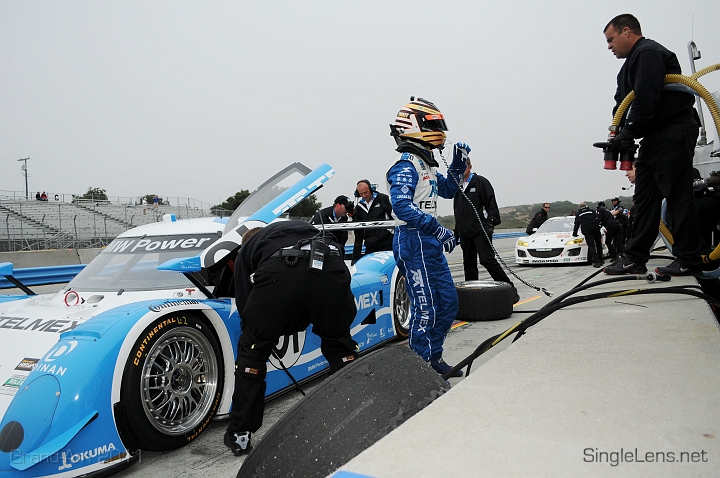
(24, 168)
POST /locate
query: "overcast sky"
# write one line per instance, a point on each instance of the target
(203, 99)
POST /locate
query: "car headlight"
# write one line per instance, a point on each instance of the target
(520, 242)
(577, 240)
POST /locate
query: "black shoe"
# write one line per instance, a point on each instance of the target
(625, 266)
(676, 269)
(442, 368)
(597, 264)
(239, 443)
(516, 296)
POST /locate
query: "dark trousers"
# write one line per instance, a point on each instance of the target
(594, 242)
(475, 246)
(664, 170)
(614, 240)
(379, 246)
(284, 300)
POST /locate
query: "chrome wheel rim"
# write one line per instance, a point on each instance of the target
(179, 381)
(402, 304)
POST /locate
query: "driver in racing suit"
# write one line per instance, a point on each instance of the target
(414, 186)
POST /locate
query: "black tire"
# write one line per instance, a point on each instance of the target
(172, 382)
(347, 413)
(401, 308)
(484, 300)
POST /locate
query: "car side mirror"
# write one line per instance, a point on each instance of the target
(6, 268)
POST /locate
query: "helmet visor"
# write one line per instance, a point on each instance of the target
(431, 122)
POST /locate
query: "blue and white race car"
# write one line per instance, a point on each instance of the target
(138, 350)
(553, 243)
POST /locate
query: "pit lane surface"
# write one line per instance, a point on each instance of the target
(207, 456)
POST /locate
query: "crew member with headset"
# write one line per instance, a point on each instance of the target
(287, 276)
(614, 231)
(373, 206)
(476, 201)
(587, 220)
(336, 213)
(414, 185)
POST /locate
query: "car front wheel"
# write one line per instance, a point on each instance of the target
(401, 308)
(172, 382)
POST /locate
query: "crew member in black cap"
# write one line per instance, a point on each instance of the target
(281, 287)
(338, 212)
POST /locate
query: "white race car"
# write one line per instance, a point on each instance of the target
(553, 243)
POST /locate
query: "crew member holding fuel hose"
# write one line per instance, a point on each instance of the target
(666, 120)
(414, 186)
(288, 275)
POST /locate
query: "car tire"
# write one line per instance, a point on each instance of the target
(346, 414)
(481, 300)
(401, 308)
(172, 382)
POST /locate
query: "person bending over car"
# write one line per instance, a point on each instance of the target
(587, 220)
(279, 291)
(414, 185)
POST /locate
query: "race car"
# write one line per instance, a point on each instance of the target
(137, 352)
(553, 243)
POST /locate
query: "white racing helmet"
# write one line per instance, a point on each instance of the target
(420, 121)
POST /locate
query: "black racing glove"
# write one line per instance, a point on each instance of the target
(622, 142)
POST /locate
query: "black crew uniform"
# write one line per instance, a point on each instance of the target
(587, 221)
(473, 240)
(666, 120)
(614, 232)
(376, 240)
(327, 216)
(275, 298)
(538, 219)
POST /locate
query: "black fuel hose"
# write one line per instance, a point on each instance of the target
(559, 303)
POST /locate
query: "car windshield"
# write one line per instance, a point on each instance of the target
(266, 192)
(130, 263)
(565, 225)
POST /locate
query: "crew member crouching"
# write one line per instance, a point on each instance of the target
(279, 292)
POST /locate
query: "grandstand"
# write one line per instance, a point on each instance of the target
(81, 223)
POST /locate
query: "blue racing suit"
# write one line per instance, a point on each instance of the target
(413, 186)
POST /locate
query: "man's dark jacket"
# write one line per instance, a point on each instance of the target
(606, 219)
(481, 193)
(380, 210)
(326, 214)
(644, 72)
(540, 217)
(587, 220)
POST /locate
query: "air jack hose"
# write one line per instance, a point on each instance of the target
(564, 301)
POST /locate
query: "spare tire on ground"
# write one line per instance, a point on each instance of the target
(482, 300)
(348, 412)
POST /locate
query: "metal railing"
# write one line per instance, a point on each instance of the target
(37, 225)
